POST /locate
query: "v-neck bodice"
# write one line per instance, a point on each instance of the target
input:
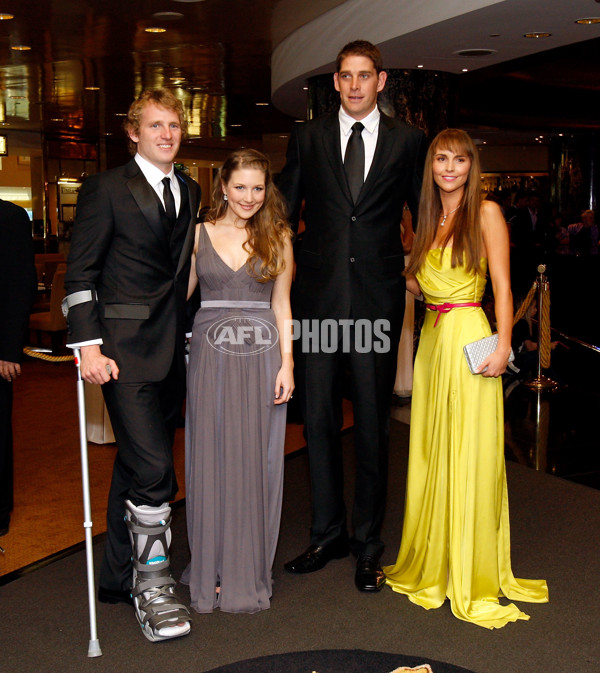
(219, 281)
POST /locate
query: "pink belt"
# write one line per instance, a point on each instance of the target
(446, 308)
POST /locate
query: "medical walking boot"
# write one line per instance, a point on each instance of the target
(157, 608)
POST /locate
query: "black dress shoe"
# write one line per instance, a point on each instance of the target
(114, 596)
(369, 575)
(317, 557)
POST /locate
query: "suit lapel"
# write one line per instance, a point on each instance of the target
(145, 198)
(333, 151)
(188, 243)
(383, 150)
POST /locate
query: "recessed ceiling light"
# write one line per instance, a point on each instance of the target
(537, 35)
(92, 88)
(167, 16)
(6, 17)
(155, 29)
(234, 125)
(262, 104)
(589, 20)
(470, 53)
(420, 66)
(465, 70)
(188, 0)
(21, 47)
(120, 114)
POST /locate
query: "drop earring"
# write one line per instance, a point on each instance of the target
(224, 197)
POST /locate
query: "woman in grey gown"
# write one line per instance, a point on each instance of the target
(239, 380)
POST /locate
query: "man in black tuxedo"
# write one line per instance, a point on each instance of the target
(17, 291)
(126, 284)
(354, 179)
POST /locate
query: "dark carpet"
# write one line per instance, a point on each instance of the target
(335, 661)
(555, 524)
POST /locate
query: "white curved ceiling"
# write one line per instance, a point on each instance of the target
(413, 33)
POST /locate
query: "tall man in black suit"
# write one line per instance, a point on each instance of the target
(17, 292)
(354, 169)
(126, 286)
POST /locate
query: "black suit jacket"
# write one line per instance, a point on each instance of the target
(120, 250)
(18, 282)
(351, 259)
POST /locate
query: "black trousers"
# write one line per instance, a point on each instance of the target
(6, 453)
(144, 418)
(322, 380)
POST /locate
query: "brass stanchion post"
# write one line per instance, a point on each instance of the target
(541, 382)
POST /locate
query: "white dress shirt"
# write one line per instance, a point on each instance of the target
(155, 177)
(369, 134)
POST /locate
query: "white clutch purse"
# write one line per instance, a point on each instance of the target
(477, 351)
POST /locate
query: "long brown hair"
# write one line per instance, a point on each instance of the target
(268, 227)
(466, 230)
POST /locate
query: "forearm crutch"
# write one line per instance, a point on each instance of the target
(94, 644)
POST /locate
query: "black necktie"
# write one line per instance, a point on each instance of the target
(354, 161)
(169, 202)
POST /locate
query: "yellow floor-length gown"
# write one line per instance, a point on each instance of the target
(456, 535)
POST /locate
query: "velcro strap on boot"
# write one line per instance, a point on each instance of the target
(173, 612)
(152, 585)
(153, 529)
(152, 569)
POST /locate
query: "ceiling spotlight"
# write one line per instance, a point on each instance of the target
(471, 53)
(6, 17)
(420, 66)
(167, 16)
(537, 35)
(589, 20)
(465, 70)
(21, 47)
(155, 29)
(262, 104)
(92, 88)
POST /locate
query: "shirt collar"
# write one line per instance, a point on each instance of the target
(370, 122)
(153, 174)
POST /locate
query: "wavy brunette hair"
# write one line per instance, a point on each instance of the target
(466, 230)
(268, 228)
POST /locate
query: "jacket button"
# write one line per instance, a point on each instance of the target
(352, 259)
(353, 218)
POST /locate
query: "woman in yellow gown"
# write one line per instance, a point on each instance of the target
(456, 536)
